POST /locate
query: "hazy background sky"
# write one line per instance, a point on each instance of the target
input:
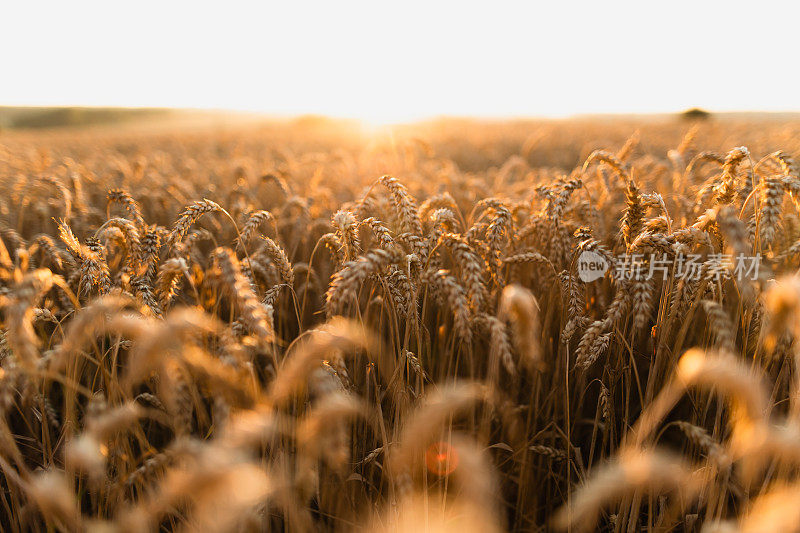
(403, 60)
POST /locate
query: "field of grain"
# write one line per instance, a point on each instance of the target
(314, 326)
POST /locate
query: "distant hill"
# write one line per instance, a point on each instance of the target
(760, 116)
(695, 113)
(54, 117)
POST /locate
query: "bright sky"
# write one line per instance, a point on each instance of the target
(404, 59)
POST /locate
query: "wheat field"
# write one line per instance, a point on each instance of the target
(309, 326)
